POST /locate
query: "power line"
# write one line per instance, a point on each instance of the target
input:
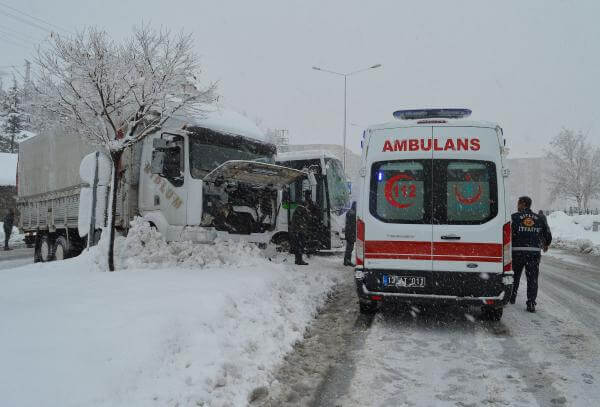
(24, 21)
(36, 18)
(16, 32)
(16, 37)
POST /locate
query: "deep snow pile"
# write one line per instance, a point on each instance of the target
(185, 325)
(144, 247)
(575, 232)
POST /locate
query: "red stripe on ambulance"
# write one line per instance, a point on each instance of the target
(440, 251)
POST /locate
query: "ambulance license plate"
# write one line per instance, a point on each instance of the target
(403, 281)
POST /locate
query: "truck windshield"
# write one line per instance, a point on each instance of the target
(205, 157)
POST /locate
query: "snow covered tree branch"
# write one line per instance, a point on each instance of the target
(115, 94)
(576, 163)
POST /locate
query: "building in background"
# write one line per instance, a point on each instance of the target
(531, 177)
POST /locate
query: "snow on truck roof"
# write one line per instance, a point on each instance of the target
(219, 119)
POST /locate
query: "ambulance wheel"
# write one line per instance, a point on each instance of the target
(492, 314)
(368, 307)
(62, 249)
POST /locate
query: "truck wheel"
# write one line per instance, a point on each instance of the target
(282, 243)
(492, 314)
(367, 307)
(46, 252)
(62, 248)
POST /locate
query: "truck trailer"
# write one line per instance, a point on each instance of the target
(204, 175)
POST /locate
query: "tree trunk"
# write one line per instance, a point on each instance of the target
(12, 143)
(116, 158)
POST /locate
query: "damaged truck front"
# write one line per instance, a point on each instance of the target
(202, 177)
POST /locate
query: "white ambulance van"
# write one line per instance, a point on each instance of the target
(433, 224)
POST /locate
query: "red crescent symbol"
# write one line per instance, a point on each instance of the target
(467, 201)
(389, 187)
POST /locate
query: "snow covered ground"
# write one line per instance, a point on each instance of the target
(180, 326)
(575, 232)
(16, 238)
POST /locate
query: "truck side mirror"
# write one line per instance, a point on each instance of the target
(158, 160)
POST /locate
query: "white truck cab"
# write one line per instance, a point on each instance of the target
(432, 220)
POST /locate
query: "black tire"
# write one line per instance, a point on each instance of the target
(62, 248)
(46, 249)
(492, 313)
(282, 243)
(368, 307)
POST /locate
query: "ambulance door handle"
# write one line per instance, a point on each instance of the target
(450, 237)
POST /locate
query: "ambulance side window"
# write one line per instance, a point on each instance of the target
(400, 191)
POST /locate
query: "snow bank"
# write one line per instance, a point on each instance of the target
(15, 236)
(575, 232)
(178, 325)
(8, 169)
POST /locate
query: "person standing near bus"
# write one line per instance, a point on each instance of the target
(350, 232)
(530, 235)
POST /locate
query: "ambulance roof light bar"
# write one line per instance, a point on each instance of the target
(415, 114)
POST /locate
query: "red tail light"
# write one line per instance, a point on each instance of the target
(507, 247)
(360, 241)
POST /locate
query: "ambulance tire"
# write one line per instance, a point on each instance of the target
(492, 313)
(368, 307)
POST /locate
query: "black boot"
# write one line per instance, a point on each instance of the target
(530, 306)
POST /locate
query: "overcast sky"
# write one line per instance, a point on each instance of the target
(532, 66)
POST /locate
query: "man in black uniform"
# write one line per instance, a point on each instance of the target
(530, 235)
(9, 221)
(350, 231)
(300, 230)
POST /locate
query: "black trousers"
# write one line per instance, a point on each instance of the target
(530, 261)
(6, 238)
(297, 246)
(348, 253)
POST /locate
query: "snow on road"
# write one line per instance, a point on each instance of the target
(406, 356)
(184, 335)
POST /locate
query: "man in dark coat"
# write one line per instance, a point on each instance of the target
(350, 231)
(9, 221)
(300, 230)
(530, 235)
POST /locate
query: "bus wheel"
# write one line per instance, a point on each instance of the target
(45, 249)
(62, 249)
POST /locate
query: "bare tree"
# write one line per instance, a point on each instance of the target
(576, 168)
(115, 94)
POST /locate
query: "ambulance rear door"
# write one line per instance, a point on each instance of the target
(468, 205)
(397, 200)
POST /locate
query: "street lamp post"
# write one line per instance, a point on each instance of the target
(345, 75)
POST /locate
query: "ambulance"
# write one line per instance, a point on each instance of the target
(433, 224)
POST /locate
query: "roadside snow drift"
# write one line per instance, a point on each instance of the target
(575, 232)
(182, 325)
